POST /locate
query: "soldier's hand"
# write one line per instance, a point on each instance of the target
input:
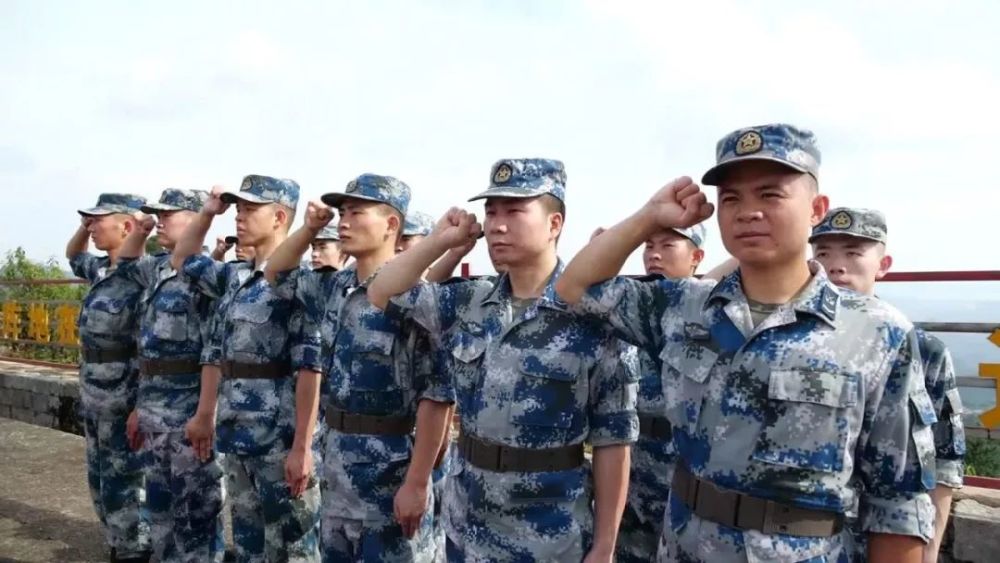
(200, 431)
(318, 215)
(457, 228)
(145, 223)
(679, 204)
(85, 221)
(298, 470)
(221, 245)
(409, 506)
(215, 205)
(135, 437)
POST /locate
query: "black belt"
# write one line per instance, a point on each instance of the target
(242, 370)
(356, 423)
(738, 510)
(107, 355)
(496, 457)
(183, 366)
(657, 427)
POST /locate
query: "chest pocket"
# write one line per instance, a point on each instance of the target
(922, 432)
(108, 316)
(545, 392)
(249, 324)
(686, 367)
(807, 422)
(170, 320)
(372, 364)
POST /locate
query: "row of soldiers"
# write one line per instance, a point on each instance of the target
(773, 410)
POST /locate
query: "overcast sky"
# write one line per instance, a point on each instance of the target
(139, 96)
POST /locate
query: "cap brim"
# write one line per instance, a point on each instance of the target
(852, 235)
(94, 212)
(517, 194)
(158, 207)
(336, 198)
(714, 174)
(233, 197)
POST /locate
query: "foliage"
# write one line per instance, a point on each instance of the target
(982, 457)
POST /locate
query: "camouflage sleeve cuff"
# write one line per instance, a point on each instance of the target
(610, 429)
(904, 515)
(285, 283)
(306, 356)
(211, 355)
(438, 394)
(80, 265)
(950, 473)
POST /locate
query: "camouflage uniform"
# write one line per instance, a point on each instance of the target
(939, 372)
(376, 366)
(108, 374)
(652, 461)
(532, 379)
(258, 325)
(792, 410)
(418, 224)
(183, 494)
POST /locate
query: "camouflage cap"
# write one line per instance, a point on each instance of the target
(373, 187)
(265, 189)
(778, 142)
(114, 203)
(178, 200)
(695, 234)
(853, 222)
(526, 177)
(418, 223)
(328, 232)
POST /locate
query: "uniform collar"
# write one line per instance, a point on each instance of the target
(820, 298)
(501, 291)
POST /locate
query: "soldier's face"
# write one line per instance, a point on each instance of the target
(518, 230)
(325, 253)
(852, 262)
(170, 226)
(108, 231)
(256, 222)
(672, 255)
(766, 213)
(366, 226)
(408, 242)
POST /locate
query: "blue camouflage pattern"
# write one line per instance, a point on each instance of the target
(855, 222)
(777, 142)
(525, 178)
(418, 223)
(696, 234)
(650, 472)
(328, 232)
(373, 187)
(109, 203)
(793, 410)
(949, 430)
(257, 323)
(546, 378)
(114, 477)
(173, 199)
(265, 189)
(378, 365)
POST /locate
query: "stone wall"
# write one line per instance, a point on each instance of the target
(41, 396)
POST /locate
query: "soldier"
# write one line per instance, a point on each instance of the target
(418, 225)
(326, 251)
(533, 382)
(674, 253)
(379, 383)
(270, 377)
(851, 246)
(108, 373)
(183, 493)
(781, 390)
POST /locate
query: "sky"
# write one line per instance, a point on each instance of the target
(136, 97)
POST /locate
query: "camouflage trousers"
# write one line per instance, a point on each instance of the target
(268, 523)
(638, 538)
(347, 540)
(688, 538)
(184, 497)
(114, 474)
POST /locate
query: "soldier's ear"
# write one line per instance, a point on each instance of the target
(820, 205)
(883, 266)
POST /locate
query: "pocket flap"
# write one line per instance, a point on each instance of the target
(375, 342)
(817, 387)
(113, 306)
(250, 312)
(689, 358)
(561, 366)
(923, 408)
(468, 347)
(176, 306)
(955, 400)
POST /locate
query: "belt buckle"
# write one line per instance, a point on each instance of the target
(775, 518)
